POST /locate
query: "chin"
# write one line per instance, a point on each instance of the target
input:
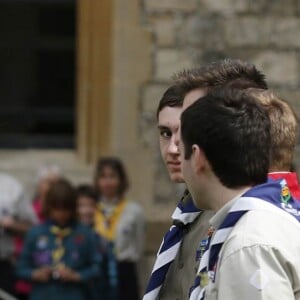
(177, 178)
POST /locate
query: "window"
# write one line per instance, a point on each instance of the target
(37, 74)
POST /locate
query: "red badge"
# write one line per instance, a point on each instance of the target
(79, 239)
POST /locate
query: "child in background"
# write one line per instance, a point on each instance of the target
(46, 176)
(59, 256)
(105, 286)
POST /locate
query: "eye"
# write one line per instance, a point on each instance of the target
(165, 133)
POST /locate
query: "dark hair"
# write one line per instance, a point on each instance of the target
(233, 130)
(172, 97)
(230, 73)
(117, 166)
(61, 195)
(86, 190)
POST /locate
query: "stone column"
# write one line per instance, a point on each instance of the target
(94, 62)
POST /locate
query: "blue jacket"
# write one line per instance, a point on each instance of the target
(80, 254)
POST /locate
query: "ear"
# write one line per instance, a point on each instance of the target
(198, 159)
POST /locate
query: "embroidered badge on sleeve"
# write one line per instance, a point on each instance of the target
(259, 280)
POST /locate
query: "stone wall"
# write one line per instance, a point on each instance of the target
(194, 32)
(183, 33)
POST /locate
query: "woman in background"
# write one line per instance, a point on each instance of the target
(120, 222)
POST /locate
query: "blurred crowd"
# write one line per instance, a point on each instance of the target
(70, 242)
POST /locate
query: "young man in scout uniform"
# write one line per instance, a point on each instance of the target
(284, 127)
(176, 264)
(224, 158)
(284, 123)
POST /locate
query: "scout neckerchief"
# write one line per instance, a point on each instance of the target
(291, 179)
(185, 213)
(260, 197)
(59, 250)
(106, 224)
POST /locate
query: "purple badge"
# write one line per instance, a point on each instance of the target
(75, 255)
(42, 257)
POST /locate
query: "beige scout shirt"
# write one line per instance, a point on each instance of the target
(260, 259)
(183, 270)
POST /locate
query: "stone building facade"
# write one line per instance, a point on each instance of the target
(127, 53)
(194, 32)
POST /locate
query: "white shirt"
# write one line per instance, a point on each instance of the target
(260, 260)
(129, 242)
(13, 203)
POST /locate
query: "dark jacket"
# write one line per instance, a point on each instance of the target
(80, 255)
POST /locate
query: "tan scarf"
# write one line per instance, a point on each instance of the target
(59, 251)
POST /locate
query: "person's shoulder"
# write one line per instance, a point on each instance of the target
(8, 180)
(267, 222)
(135, 210)
(38, 230)
(266, 228)
(134, 207)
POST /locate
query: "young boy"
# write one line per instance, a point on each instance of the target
(59, 256)
(86, 204)
(251, 254)
(105, 286)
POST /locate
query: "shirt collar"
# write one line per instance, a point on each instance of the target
(221, 214)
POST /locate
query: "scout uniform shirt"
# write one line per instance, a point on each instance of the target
(48, 245)
(259, 259)
(184, 268)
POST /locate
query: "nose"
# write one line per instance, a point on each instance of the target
(177, 138)
(173, 146)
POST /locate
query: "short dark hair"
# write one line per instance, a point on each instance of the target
(117, 166)
(172, 97)
(86, 190)
(61, 195)
(230, 73)
(233, 130)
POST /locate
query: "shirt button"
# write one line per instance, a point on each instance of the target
(181, 265)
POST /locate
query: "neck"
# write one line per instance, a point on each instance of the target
(110, 199)
(274, 169)
(216, 194)
(223, 195)
(276, 172)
